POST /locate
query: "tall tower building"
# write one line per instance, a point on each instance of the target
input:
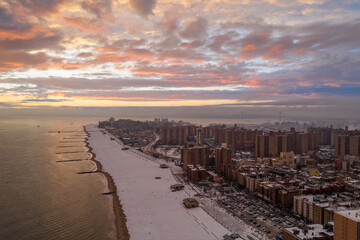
(199, 135)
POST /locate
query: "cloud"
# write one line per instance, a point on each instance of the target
(8, 22)
(86, 24)
(16, 52)
(170, 42)
(195, 28)
(41, 40)
(193, 44)
(322, 35)
(125, 43)
(22, 60)
(287, 3)
(85, 54)
(96, 49)
(45, 100)
(102, 9)
(40, 6)
(143, 7)
(312, 2)
(23, 39)
(307, 11)
(249, 47)
(219, 40)
(169, 24)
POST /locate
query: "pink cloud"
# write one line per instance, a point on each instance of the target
(86, 24)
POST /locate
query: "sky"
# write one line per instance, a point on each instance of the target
(210, 58)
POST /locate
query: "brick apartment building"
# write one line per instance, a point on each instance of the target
(195, 155)
(222, 159)
(176, 135)
(347, 145)
(274, 143)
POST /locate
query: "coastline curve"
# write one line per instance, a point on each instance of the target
(122, 232)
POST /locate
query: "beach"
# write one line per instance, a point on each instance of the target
(122, 232)
(151, 210)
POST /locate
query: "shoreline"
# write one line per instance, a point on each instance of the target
(122, 232)
(152, 210)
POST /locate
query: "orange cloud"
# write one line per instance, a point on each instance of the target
(10, 65)
(249, 47)
(273, 53)
(128, 55)
(252, 83)
(275, 50)
(300, 50)
(25, 34)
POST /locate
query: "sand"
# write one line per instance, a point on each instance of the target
(152, 210)
(122, 232)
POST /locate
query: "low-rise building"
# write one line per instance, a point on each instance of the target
(177, 186)
(312, 231)
(190, 203)
(196, 173)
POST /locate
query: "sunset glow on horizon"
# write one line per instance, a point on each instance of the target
(115, 53)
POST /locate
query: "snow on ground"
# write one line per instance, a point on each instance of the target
(234, 224)
(170, 151)
(152, 210)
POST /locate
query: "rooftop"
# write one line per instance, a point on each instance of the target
(351, 214)
(312, 231)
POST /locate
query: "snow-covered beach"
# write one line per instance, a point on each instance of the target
(152, 210)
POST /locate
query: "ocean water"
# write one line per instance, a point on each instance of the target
(41, 198)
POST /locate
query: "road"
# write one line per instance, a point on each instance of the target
(147, 148)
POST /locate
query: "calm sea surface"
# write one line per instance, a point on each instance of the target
(41, 198)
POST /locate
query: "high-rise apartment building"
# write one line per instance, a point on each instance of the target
(235, 137)
(347, 145)
(274, 143)
(324, 134)
(175, 135)
(222, 159)
(271, 145)
(195, 155)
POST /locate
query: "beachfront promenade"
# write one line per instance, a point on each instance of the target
(151, 209)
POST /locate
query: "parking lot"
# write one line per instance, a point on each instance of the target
(250, 209)
(255, 212)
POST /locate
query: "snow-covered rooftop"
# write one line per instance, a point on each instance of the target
(351, 214)
(312, 231)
